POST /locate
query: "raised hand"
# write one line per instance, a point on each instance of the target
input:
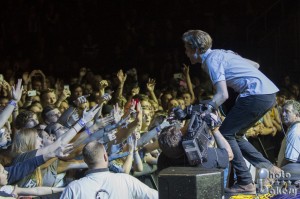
(6, 86)
(130, 143)
(212, 119)
(17, 90)
(81, 100)
(104, 98)
(65, 94)
(103, 84)
(110, 136)
(63, 151)
(135, 91)
(88, 116)
(151, 85)
(121, 76)
(26, 77)
(186, 70)
(117, 113)
(139, 111)
(102, 122)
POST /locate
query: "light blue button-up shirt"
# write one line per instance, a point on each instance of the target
(239, 73)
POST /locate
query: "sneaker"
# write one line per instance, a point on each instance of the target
(236, 188)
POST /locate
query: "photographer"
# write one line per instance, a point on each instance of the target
(173, 154)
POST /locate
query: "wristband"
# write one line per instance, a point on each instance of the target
(158, 129)
(12, 103)
(87, 130)
(81, 123)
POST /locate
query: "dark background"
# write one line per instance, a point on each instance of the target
(60, 36)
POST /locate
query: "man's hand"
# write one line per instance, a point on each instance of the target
(109, 136)
(104, 98)
(130, 143)
(64, 151)
(151, 85)
(26, 77)
(17, 90)
(186, 70)
(117, 113)
(102, 122)
(65, 94)
(81, 100)
(88, 116)
(121, 76)
(103, 84)
(212, 119)
(135, 91)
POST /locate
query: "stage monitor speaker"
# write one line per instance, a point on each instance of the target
(191, 183)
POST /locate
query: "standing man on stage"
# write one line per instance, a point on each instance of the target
(256, 96)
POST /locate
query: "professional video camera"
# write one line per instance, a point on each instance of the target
(203, 117)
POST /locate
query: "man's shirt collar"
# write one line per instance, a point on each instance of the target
(204, 55)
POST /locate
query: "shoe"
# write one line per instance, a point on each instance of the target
(236, 188)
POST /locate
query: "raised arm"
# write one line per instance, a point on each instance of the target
(63, 96)
(70, 134)
(150, 87)
(186, 72)
(103, 84)
(122, 78)
(13, 103)
(22, 169)
(123, 133)
(36, 191)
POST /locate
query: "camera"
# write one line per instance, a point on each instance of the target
(31, 93)
(178, 76)
(195, 142)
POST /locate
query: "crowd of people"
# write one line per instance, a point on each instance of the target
(70, 124)
(55, 129)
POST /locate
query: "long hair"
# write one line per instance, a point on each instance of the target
(24, 140)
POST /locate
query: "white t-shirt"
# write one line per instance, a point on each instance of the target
(108, 185)
(293, 143)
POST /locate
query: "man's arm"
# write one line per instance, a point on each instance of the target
(222, 143)
(70, 134)
(16, 96)
(36, 191)
(221, 94)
